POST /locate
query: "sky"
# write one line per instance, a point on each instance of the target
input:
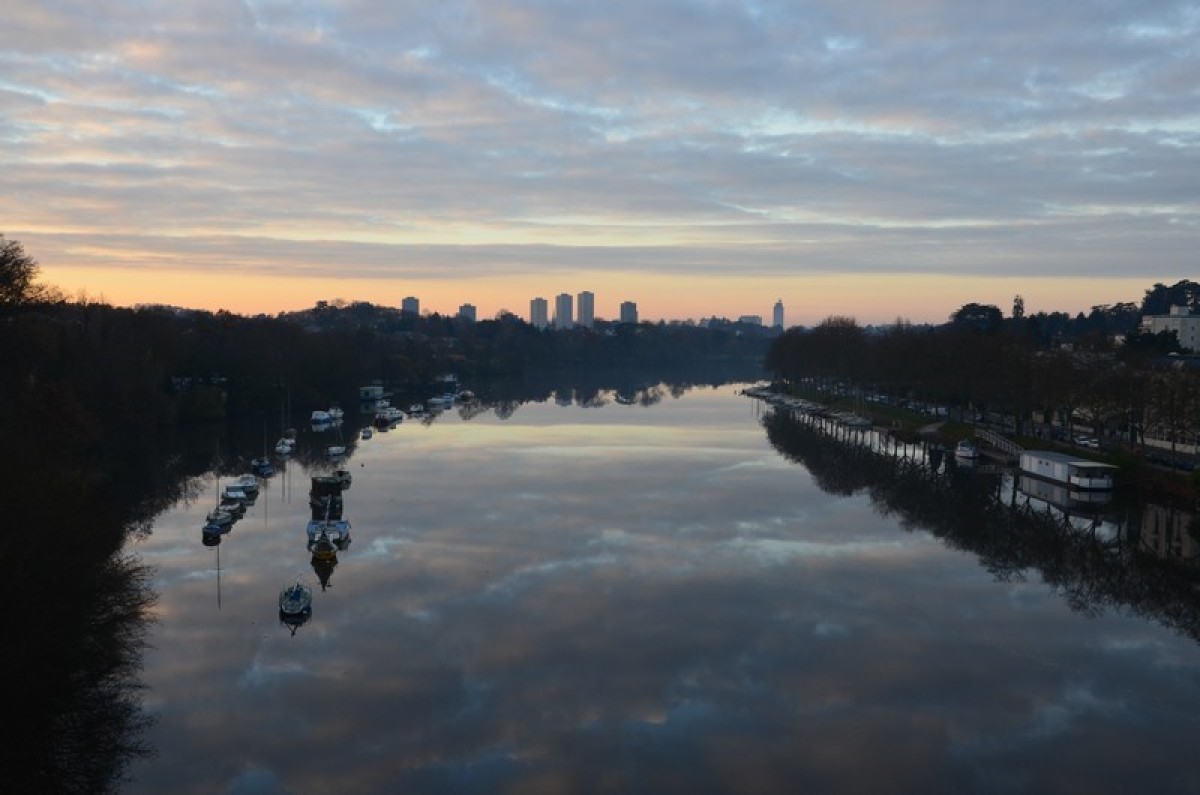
(858, 157)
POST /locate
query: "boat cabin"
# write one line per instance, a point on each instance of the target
(1076, 472)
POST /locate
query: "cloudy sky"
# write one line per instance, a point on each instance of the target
(872, 158)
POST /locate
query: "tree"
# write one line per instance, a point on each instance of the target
(1018, 310)
(18, 274)
(1160, 298)
(981, 317)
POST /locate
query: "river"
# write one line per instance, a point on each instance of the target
(655, 598)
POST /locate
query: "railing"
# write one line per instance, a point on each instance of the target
(993, 439)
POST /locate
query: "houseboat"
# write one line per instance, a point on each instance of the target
(1078, 474)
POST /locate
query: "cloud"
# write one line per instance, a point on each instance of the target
(663, 137)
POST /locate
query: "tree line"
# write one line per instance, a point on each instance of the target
(1099, 371)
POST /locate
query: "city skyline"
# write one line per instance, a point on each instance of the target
(858, 158)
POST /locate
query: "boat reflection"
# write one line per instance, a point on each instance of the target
(1096, 554)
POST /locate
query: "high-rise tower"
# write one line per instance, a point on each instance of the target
(539, 313)
(587, 309)
(563, 311)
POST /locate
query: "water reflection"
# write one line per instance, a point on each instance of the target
(552, 599)
(75, 607)
(1092, 553)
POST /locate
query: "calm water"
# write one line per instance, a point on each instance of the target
(636, 599)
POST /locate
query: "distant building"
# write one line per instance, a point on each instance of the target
(564, 313)
(539, 313)
(1181, 320)
(778, 315)
(467, 312)
(629, 312)
(753, 320)
(587, 309)
(410, 306)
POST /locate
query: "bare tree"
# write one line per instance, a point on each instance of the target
(18, 276)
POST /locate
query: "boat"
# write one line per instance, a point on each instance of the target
(295, 601)
(344, 478)
(262, 467)
(1079, 474)
(235, 492)
(966, 449)
(325, 497)
(321, 417)
(367, 432)
(335, 413)
(416, 409)
(285, 445)
(336, 530)
(248, 482)
(389, 416)
(324, 559)
(325, 506)
(219, 519)
(335, 451)
(235, 508)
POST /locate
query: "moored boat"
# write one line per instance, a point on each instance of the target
(295, 600)
(1070, 470)
(235, 492)
(336, 530)
(248, 482)
(966, 449)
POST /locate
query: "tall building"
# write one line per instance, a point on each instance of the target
(410, 306)
(563, 311)
(539, 314)
(587, 309)
(778, 321)
(629, 312)
(467, 312)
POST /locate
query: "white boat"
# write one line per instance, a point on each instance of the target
(285, 446)
(1081, 474)
(236, 492)
(966, 449)
(338, 530)
(335, 413)
(416, 409)
(367, 432)
(295, 600)
(319, 417)
(335, 451)
(248, 482)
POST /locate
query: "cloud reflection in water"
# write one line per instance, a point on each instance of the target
(606, 606)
